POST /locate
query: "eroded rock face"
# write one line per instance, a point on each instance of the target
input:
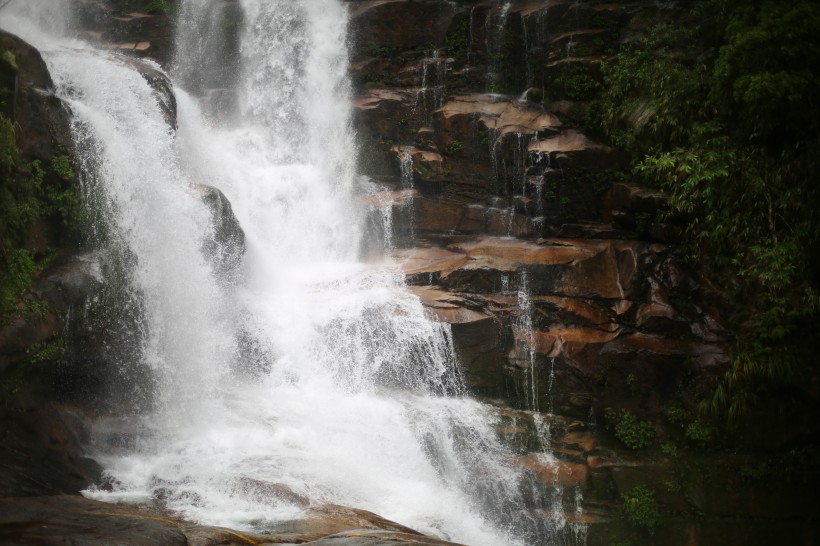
(597, 309)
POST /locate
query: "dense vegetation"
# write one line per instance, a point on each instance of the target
(30, 192)
(720, 109)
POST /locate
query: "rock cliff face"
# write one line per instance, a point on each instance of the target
(510, 225)
(564, 295)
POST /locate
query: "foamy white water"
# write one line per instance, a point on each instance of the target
(308, 369)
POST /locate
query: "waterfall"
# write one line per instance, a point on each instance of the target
(308, 369)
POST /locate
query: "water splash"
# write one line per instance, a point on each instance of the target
(312, 372)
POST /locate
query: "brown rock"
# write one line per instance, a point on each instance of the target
(365, 537)
(556, 472)
(572, 149)
(457, 118)
(476, 337)
(75, 520)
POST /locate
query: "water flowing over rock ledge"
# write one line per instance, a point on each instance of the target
(502, 198)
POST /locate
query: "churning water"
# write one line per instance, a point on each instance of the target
(303, 367)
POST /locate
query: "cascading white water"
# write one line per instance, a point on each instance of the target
(309, 369)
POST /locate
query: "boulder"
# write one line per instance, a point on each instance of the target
(225, 245)
(43, 120)
(41, 452)
(159, 82)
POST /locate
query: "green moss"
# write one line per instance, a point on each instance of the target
(9, 57)
(455, 147)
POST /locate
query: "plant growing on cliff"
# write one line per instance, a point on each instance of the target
(25, 196)
(455, 147)
(634, 433)
(641, 509)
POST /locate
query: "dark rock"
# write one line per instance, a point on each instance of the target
(43, 120)
(41, 451)
(160, 83)
(226, 245)
(477, 337)
(398, 23)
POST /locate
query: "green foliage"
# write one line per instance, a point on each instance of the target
(699, 433)
(9, 57)
(26, 195)
(652, 94)
(634, 433)
(18, 267)
(455, 147)
(44, 352)
(767, 75)
(61, 165)
(642, 509)
(576, 83)
(669, 449)
(721, 109)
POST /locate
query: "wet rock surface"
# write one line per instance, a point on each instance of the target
(61, 518)
(510, 215)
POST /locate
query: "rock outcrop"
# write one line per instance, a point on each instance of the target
(226, 244)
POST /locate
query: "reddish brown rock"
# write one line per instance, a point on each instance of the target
(556, 472)
(477, 337)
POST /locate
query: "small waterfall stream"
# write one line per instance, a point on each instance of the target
(307, 369)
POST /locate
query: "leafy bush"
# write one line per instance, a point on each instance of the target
(634, 433)
(25, 196)
(720, 110)
(669, 449)
(699, 434)
(642, 509)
